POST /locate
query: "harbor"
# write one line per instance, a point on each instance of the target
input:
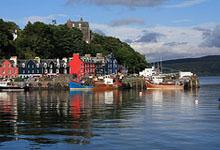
(109, 75)
(86, 119)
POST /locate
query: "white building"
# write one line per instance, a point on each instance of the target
(148, 72)
(185, 74)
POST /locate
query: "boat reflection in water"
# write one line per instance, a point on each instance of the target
(65, 120)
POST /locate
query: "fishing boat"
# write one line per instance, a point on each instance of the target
(73, 85)
(164, 86)
(106, 83)
(7, 86)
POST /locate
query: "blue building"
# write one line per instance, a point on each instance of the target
(111, 64)
(37, 67)
(29, 68)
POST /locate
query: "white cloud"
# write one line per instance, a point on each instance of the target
(177, 42)
(186, 3)
(181, 21)
(122, 32)
(127, 3)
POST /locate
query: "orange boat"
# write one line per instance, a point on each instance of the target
(101, 86)
(164, 86)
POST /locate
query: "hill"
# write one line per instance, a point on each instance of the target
(57, 41)
(203, 66)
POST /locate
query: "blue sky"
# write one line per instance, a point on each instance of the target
(169, 28)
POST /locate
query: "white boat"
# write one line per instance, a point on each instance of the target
(7, 86)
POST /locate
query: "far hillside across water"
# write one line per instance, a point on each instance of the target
(203, 66)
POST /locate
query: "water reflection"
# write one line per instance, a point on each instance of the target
(95, 117)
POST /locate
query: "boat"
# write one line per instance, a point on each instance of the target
(164, 86)
(73, 85)
(7, 86)
(101, 85)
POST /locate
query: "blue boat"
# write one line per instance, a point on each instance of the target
(78, 86)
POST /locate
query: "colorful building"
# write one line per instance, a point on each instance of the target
(100, 64)
(29, 68)
(8, 69)
(111, 64)
(89, 65)
(76, 66)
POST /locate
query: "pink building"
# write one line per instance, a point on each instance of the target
(8, 69)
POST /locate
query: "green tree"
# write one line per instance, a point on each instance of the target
(7, 47)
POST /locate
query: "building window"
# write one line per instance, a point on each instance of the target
(3, 71)
(23, 71)
(9, 65)
(9, 71)
(33, 71)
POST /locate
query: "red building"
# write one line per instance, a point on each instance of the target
(76, 66)
(89, 65)
(82, 67)
(89, 68)
(8, 69)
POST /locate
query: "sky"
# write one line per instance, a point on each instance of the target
(158, 29)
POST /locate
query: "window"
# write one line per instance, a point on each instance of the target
(9, 71)
(9, 65)
(23, 71)
(33, 71)
(3, 71)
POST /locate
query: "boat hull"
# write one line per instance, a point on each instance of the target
(77, 86)
(13, 89)
(164, 86)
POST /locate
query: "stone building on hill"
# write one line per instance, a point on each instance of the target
(83, 26)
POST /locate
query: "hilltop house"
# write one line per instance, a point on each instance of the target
(83, 26)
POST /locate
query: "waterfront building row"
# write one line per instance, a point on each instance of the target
(81, 66)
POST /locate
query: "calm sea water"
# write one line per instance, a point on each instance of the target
(112, 120)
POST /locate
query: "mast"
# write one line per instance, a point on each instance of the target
(161, 65)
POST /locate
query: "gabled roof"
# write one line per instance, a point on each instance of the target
(2, 60)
